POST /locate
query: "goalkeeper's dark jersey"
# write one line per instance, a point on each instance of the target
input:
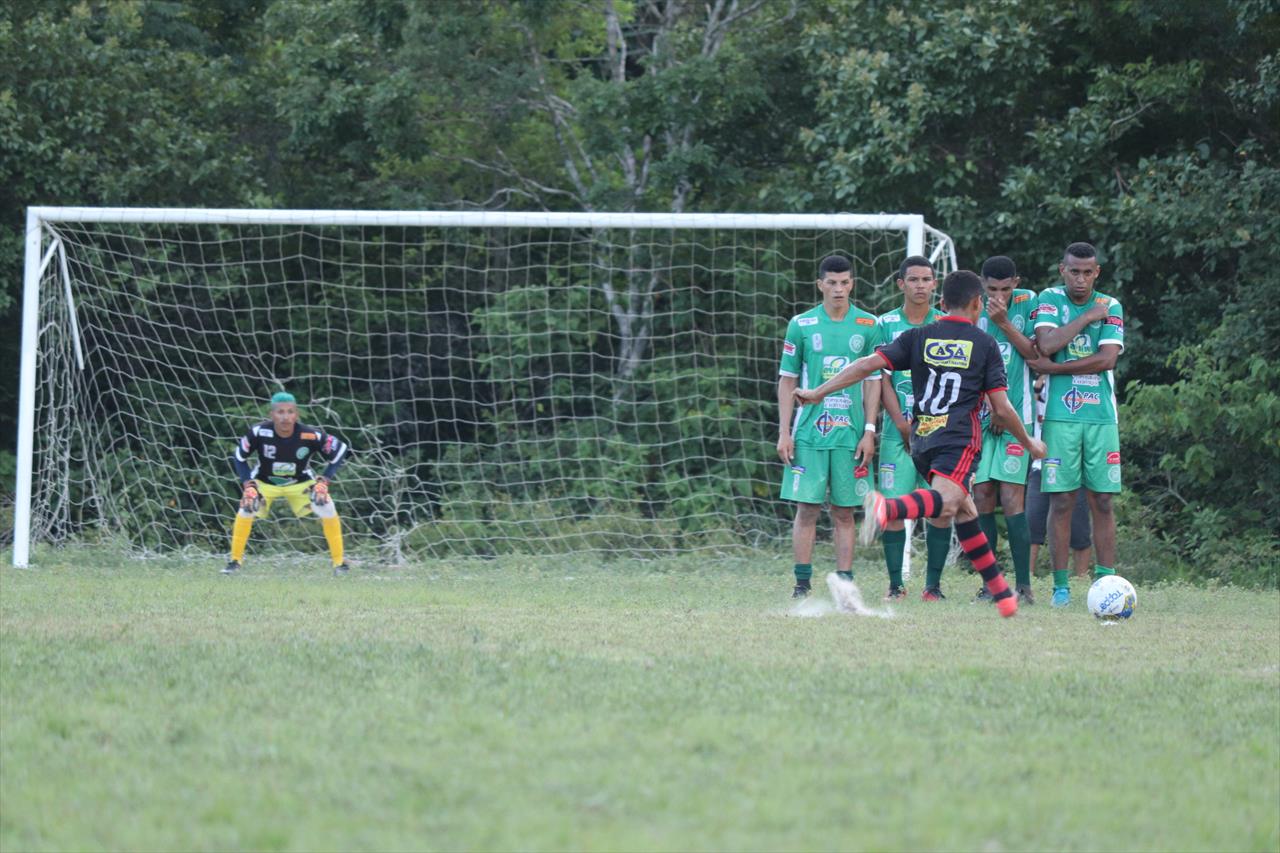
(263, 455)
(953, 365)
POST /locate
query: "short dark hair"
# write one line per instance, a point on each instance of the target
(913, 261)
(998, 268)
(959, 288)
(833, 263)
(1083, 251)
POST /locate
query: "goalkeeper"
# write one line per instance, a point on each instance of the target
(284, 449)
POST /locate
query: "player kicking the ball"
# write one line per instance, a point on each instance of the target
(284, 449)
(953, 366)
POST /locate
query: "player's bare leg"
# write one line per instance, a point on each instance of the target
(842, 535)
(803, 530)
(1104, 531)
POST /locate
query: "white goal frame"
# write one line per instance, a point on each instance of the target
(43, 248)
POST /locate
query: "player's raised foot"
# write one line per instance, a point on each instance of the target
(1061, 597)
(896, 593)
(874, 518)
(340, 570)
(802, 590)
(1007, 606)
(933, 593)
(1025, 596)
(231, 567)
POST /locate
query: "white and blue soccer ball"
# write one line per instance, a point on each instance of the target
(1112, 598)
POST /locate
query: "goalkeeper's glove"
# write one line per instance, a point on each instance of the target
(320, 492)
(250, 499)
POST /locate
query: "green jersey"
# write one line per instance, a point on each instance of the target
(891, 325)
(817, 348)
(1021, 396)
(1089, 397)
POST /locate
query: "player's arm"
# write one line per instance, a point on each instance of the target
(1100, 362)
(336, 452)
(786, 411)
(854, 373)
(870, 412)
(889, 399)
(1050, 337)
(249, 498)
(1002, 411)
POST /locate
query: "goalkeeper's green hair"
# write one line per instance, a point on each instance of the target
(283, 397)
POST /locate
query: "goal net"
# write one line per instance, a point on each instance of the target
(508, 383)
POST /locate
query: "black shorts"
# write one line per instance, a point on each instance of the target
(956, 462)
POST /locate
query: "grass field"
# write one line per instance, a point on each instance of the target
(548, 704)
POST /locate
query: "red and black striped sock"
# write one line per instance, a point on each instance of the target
(922, 503)
(976, 547)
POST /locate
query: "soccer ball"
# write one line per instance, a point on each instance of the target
(1112, 598)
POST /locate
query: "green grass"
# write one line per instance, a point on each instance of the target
(640, 706)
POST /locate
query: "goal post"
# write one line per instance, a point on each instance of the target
(510, 382)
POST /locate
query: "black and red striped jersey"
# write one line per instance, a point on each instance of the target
(953, 366)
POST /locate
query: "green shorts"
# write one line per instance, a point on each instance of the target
(1003, 459)
(813, 470)
(1085, 454)
(898, 474)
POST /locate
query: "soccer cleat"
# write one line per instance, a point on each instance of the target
(340, 570)
(983, 594)
(1007, 606)
(1025, 596)
(231, 567)
(895, 593)
(1061, 597)
(875, 517)
(933, 593)
(801, 590)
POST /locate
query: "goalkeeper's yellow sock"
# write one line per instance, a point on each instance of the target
(240, 536)
(333, 535)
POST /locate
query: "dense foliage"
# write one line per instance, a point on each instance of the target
(1148, 128)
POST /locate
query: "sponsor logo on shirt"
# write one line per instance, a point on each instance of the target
(1113, 458)
(837, 401)
(1020, 297)
(303, 451)
(281, 468)
(865, 321)
(309, 436)
(1075, 399)
(330, 444)
(891, 318)
(1006, 352)
(807, 321)
(1047, 309)
(1092, 380)
(797, 469)
(947, 353)
(833, 364)
(929, 424)
(817, 342)
(1080, 346)
(788, 348)
(1014, 449)
(1118, 322)
(827, 423)
(244, 445)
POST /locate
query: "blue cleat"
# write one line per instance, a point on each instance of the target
(1061, 597)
